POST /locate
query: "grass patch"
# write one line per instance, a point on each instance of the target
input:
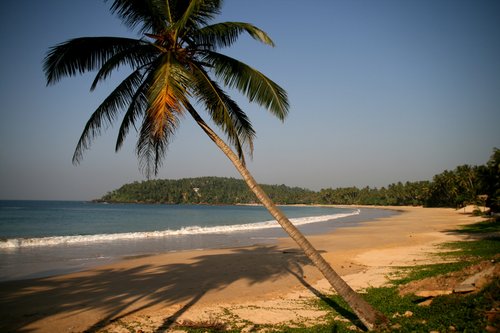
(446, 314)
(211, 325)
(484, 227)
(425, 271)
(484, 249)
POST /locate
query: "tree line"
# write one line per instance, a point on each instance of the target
(452, 188)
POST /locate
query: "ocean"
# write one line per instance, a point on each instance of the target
(45, 238)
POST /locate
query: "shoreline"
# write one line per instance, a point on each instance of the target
(195, 285)
(26, 258)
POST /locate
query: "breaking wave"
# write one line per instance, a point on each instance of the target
(14, 243)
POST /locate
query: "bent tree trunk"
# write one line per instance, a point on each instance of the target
(369, 316)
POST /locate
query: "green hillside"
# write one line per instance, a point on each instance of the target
(204, 190)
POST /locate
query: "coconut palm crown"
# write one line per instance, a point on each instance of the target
(174, 64)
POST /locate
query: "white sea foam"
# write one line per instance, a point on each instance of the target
(191, 230)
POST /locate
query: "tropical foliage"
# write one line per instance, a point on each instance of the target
(398, 194)
(456, 188)
(204, 190)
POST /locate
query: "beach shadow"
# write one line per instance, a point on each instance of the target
(488, 229)
(297, 271)
(115, 293)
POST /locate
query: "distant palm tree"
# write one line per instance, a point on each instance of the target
(174, 66)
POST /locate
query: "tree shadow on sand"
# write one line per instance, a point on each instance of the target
(343, 310)
(115, 293)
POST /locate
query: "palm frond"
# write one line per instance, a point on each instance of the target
(135, 57)
(224, 111)
(226, 33)
(84, 54)
(147, 15)
(136, 109)
(167, 89)
(166, 94)
(197, 13)
(255, 85)
(106, 113)
(151, 149)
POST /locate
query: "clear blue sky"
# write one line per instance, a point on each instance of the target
(380, 92)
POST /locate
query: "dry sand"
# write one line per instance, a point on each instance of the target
(260, 284)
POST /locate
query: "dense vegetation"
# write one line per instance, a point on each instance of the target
(204, 190)
(462, 186)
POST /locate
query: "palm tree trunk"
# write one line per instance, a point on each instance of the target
(369, 316)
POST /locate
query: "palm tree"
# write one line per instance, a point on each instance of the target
(174, 66)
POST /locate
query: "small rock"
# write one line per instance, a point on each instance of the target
(408, 314)
(433, 293)
(427, 302)
(396, 315)
(396, 326)
(464, 288)
(452, 328)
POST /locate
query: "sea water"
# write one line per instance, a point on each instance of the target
(43, 238)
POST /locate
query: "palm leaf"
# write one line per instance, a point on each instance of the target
(148, 15)
(225, 112)
(136, 109)
(151, 149)
(135, 57)
(84, 54)
(226, 33)
(166, 95)
(197, 13)
(255, 85)
(106, 113)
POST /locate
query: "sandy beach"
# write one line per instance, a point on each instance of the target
(259, 284)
